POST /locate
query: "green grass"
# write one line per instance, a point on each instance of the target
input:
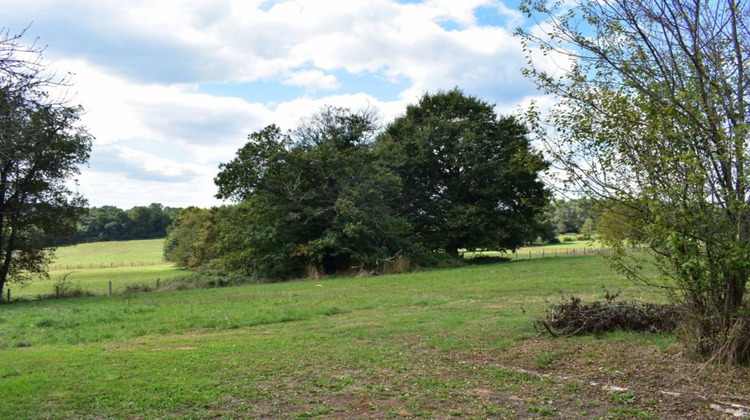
(141, 252)
(92, 266)
(410, 345)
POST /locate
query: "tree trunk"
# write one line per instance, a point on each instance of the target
(452, 250)
(5, 268)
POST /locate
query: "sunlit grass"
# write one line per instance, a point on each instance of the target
(93, 266)
(248, 351)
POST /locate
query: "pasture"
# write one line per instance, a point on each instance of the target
(449, 343)
(92, 266)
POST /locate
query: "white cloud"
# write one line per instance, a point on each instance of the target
(313, 80)
(149, 164)
(289, 114)
(108, 188)
(142, 67)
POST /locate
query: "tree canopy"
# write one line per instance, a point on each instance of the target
(312, 200)
(470, 179)
(338, 194)
(651, 122)
(110, 223)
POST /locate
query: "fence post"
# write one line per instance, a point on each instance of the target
(157, 282)
(8, 295)
(110, 287)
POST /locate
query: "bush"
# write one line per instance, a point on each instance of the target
(207, 279)
(64, 288)
(137, 288)
(485, 259)
(437, 260)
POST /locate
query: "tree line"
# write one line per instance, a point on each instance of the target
(340, 193)
(110, 223)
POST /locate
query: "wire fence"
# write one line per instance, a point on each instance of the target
(81, 266)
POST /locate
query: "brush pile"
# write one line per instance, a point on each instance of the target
(574, 317)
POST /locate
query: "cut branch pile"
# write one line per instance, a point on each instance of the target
(574, 317)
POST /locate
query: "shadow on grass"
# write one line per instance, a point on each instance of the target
(485, 259)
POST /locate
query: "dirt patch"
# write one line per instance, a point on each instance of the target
(536, 378)
(632, 376)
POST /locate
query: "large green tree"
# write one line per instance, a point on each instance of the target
(470, 178)
(192, 241)
(41, 148)
(311, 200)
(651, 122)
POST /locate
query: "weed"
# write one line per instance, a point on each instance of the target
(624, 397)
(46, 323)
(513, 375)
(572, 386)
(542, 411)
(548, 358)
(137, 288)
(321, 411)
(64, 288)
(631, 413)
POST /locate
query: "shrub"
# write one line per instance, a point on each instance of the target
(65, 288)
(138, 288)
(207, 279)
(486, 259)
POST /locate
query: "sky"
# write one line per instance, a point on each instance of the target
(172, 88)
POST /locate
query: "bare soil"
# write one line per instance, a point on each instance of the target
(538, 378)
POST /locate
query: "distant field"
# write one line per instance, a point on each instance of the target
(94, 265)
(450, 343)
(118, 252)
(572, 248)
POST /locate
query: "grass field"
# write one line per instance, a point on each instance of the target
(92, 266)
(431, 344)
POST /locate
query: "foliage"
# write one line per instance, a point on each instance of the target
(65, 288)
(110, 223)
(310, 200)
(207, 279)
(469, 177)
(652, 121)
(41, 147)
(192, 239)
(326, 198)
(570, 216)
